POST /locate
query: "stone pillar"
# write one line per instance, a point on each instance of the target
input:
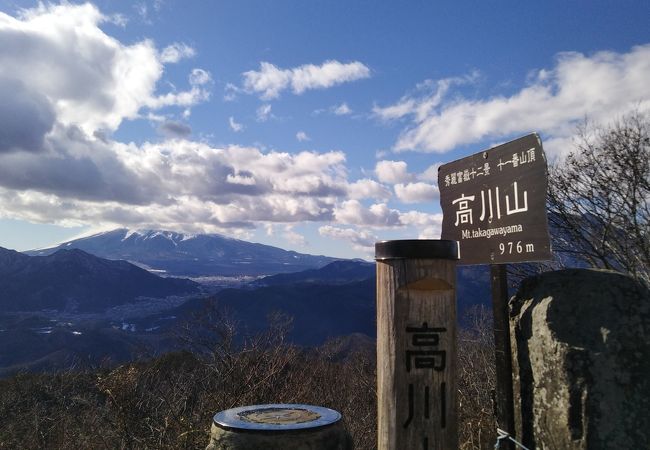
(581, 360)
(278, 427)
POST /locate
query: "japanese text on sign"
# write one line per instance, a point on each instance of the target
(498, 193)
(424, 352)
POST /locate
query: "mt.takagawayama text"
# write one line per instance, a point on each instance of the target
(494, 204)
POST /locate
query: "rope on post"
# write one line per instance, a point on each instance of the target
(504, 435)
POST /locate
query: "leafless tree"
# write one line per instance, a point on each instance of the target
(599, 197)
(476, 380)
(168, 402)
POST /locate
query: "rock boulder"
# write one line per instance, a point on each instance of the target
(581, 360)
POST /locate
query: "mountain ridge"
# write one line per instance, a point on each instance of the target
(336, 272)
(180, 254)
(75, 280)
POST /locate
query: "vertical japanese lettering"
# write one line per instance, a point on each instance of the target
(425, 358)
(409, 419)
(516, 208)
(443, 405)
(531, 154)
(464, 213)
(422, 353)
(486, 207)
(426, 402)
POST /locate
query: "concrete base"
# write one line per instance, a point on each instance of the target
(279, 427)
(332, 437)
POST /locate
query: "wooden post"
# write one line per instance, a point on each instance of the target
(502, 351)
(416, 344)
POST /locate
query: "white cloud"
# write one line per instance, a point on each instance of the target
(175, 52)
(264, 113)
(433, 232)
(291, 235)
(92, 81)
(360, 239)
(184, 98)
(416, 192)
(377, 215)
(118, 19)
(392, 172)
(420, 219)
(428, 95)
(200, 77)
(381, 154)
(301, 136)
(367, 188)
(429, 226)
(59, 163)
(431, 173)
(269, 228)
(230, 92)
(142, 10)
(270, 80)
(177, 184)
(342, 110)
(400, 109)
(601, 87)
(236, 127)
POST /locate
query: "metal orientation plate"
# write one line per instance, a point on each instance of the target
(276, 417)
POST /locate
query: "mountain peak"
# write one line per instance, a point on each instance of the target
(186, 254)
(74, 280)
(11, 258)
(172, 236)
(76, 254)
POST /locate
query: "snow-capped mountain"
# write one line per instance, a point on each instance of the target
(171, 253)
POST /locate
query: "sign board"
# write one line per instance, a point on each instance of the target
(494, 204)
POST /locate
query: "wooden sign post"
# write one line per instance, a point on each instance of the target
(494, 205)
(416, 344)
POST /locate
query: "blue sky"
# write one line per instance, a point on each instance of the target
(309, 125)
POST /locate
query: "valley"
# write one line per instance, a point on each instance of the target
(101, 311)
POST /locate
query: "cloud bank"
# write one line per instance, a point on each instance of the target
(599, 86)
(66, 85)
(62, 67)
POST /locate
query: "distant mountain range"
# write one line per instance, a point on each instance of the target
(191, 255)
(76, 281)
(336, 300)
(318, 310)
(325, 297)
(337, 272)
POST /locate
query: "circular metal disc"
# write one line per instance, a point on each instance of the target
(276, 417)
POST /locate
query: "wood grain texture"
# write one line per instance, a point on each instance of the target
(417, 402)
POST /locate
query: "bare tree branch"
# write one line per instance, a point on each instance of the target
(599, 197)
